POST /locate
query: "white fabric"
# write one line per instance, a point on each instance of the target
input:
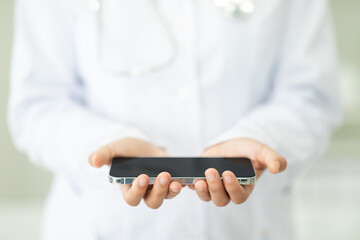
(270, 77)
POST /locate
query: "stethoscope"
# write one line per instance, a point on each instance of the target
(231, 8)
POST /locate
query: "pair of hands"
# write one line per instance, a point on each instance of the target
(213, 189)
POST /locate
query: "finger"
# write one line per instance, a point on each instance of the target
(96, 160)
(214, 151)
(234, 148)
(129, 147)
(125, 188)
(272, 160)
(159, 191)
(202, 191)
(135, 192)
(262, 155)
(238, 194)
(216, 188)
(174, 189)
(191, 186)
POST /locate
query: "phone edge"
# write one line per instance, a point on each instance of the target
(183, 180)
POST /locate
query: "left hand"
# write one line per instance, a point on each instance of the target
(221, 192)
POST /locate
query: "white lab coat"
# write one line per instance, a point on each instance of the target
(270, 77)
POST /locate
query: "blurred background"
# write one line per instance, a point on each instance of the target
(326, 198)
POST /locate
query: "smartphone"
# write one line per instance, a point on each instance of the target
(184, 169)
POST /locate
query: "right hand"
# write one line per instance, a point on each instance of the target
(153, 196)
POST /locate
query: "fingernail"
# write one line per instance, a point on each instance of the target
(163, 181)
(175, 190)
(142, 182)
(200, 189)
(211, 177)
(93, 160)
(228, 179)
(278, 165)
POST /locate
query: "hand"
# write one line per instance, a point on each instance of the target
(221, 192)
(134, 193)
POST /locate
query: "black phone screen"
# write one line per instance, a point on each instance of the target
(179, 166)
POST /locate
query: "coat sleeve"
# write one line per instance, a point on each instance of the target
(303, 107)
(47, 115)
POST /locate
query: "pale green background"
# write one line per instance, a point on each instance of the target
(327, 198)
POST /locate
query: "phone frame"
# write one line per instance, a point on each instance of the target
(183, 180)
